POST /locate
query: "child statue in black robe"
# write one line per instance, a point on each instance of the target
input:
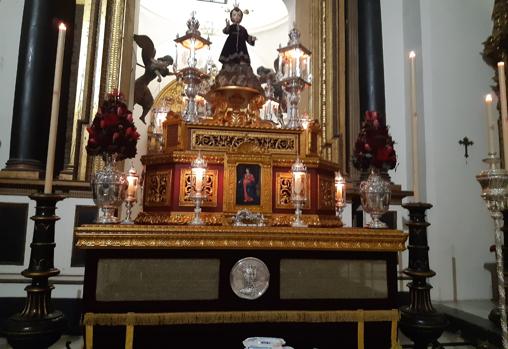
(235, 48)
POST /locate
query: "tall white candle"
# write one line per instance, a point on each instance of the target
(504, 109)
(491, 125)
(414, 129)
(55, 109)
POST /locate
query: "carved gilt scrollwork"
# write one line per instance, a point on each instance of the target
(210, 185)
(158, 188)
(326, 198)
(270, 143)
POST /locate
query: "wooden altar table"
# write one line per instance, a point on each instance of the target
(150, 269)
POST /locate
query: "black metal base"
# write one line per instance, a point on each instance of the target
(495, 316)
(419, 321)
(37, 325)
(422, 328)
(25, 333)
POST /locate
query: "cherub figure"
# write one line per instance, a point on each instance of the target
(235, 48)
(154, 68)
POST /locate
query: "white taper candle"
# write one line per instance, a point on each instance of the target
(414, 129)
(504, 109)
(55, 109)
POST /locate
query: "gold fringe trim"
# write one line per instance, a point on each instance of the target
(361, 329)
(156, 319)
(187, 318)
(89, 336)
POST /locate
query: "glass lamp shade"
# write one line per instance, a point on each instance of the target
(340, 190)
(198, 173)
(295, 59)
(132, 185)
(299, 176)
(187, 47)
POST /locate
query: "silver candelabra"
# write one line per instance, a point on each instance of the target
(494, 181)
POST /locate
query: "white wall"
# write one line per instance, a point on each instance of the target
(452, 80)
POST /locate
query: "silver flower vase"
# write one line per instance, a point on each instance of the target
(375, 194)
(108, 190)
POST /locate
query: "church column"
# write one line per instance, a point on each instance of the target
(34, 83)
(370, 51)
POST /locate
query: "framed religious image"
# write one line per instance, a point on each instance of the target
(248, 184)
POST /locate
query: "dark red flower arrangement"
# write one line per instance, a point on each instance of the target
(374, 146)
(113, 130)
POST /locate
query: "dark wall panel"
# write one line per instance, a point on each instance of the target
(13, 232)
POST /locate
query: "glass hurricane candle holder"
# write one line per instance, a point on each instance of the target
(198, 176)
(340, 194)
(131, 196)
(298, 197)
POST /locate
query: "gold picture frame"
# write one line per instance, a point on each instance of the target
(231, 164)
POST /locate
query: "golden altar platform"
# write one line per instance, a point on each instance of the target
(187, 271)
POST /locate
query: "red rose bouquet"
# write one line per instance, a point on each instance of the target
(112, 130)
(374, 146)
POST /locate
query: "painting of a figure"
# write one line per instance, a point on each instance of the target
(248, 182)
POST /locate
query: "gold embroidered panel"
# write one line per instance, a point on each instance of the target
(271, 143)
(283, 185)
(158, 188)
(326, 190)
(210, 186)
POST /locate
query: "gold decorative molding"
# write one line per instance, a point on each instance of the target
(158, 188)
(210, 187)
(312, 220)
(178, 218)
(283, 190)
(326, 190)
(271, 143)
(96, 236)
(181, 157)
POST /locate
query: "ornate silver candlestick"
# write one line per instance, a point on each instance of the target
(190, 75)
(494, 181)
(340, 194)
(294, 75)
(298, 197)
(198, 176)
(131, 196)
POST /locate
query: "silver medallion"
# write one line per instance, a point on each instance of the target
(249, 278)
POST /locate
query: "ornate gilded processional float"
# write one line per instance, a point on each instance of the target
(236, 142)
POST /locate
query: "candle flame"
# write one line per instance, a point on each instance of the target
(412, 54)
(62, 26)
(500, 64)
(488, 98)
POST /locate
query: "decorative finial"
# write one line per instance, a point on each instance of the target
(294, 37)
(193, 24)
